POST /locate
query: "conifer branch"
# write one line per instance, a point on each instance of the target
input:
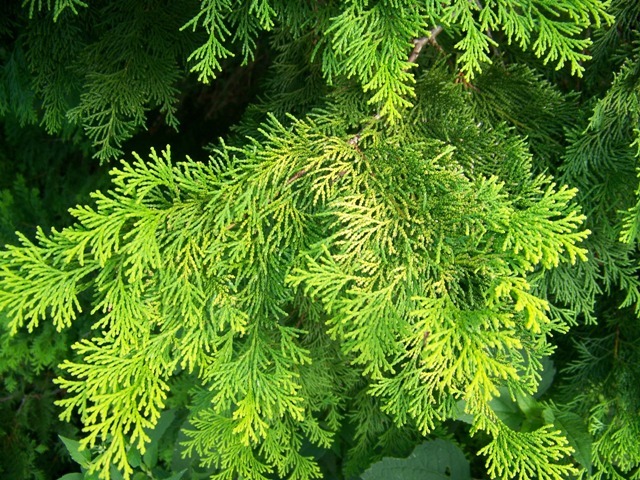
(419, 44)
(358, 266)
(494, 48)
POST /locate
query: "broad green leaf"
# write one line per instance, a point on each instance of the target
(73, 447)
(150, 457)
(462, 415)
(177, 475)
(178, 461)
(532, 410)
(527, 404)
(574, 428)
(547, 376)
(507, 410)
(115, 473)
(133, 457)
(434, 460)
(41, 448)
(72, 476)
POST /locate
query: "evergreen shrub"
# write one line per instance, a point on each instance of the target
(388, 239)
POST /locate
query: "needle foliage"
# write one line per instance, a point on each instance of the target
(418, 240)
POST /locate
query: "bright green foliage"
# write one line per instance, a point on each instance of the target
(397, 251)
(549, 27)
(423, 207)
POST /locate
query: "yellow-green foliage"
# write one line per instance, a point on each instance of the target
(402, 254)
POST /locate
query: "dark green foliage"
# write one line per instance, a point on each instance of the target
(435, 460)
(424, 204)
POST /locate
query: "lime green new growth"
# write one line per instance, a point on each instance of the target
(277, 266)
(387, 257)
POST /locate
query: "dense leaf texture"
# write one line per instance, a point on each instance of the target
(392, 242)
(105, 66)
(409, 265)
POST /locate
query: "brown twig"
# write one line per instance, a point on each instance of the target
(8, 398)
(419, 43)
(461, 79)
(296, 176)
